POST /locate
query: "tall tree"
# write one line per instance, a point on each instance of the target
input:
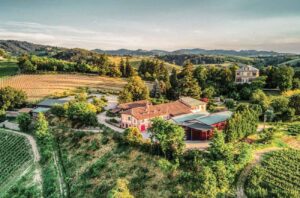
(284, 77)
(135, 89)
(41, 126)
(173, 91)
(12, 98)
(169, 135)
(130, 71)
(122, 67)
(188, 84)
(295, 103)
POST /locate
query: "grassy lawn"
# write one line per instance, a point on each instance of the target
(8, 68)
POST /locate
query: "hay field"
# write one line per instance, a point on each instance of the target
(40, 86)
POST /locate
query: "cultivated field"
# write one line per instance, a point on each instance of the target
(278, 176)
(15, 157)
(40, 86)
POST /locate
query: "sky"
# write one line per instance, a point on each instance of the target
(154, 24)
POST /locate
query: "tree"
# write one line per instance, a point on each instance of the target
(241, 124)
(12, 98)
(58, 110)
(295, 103)
(173, 91)
(209, 183)
(24, 121)
(296, 83)
(133, 135)
(83, 113)
(26, 65)
(41, 126)
(120, 190)
(129, 69)
(187, 84)
(221, 173)
(229, 103)
(280, 103)
(218, 149)
(156, 91)
(169, 135)
(122, 68)
(99, 104)
(114, 70)
(209, 92)
(200, 73)
(284, 77)
(135, 90)
(260, 98)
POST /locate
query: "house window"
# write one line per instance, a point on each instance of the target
(129, 118)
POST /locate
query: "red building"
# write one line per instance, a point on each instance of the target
(201, 126)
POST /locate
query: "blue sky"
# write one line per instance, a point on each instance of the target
(156, 24)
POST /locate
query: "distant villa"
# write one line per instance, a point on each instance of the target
(246, 74)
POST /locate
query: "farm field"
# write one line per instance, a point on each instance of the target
(40, 86)
(8, 68)
(278, 175)
(15, 157)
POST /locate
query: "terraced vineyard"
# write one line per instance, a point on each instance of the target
(278, 176)
(15, 157)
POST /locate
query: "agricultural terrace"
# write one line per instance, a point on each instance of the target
(15, 157)
(40, 86)
(278, 175)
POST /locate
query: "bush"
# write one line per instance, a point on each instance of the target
(230, 103)
(58, 110)
(82, 113)
(133, 135)
(24, 121)
(110, 114)
(2, 115)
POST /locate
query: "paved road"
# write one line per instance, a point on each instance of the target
(101, 119)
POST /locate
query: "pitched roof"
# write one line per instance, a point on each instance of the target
(215, 117)
(191, 116)
(51, 102)
(130, 105)
(200, 126)
(247, 68)
(152, 111)
(191, 101)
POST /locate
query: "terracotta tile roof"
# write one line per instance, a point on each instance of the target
(130, 105)
(191, 101)
(152, 111)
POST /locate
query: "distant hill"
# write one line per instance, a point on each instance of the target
(196, 51)
(21, 47)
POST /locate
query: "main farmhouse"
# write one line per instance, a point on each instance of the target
(187, 112)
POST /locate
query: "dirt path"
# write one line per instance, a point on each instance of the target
(240, 193)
